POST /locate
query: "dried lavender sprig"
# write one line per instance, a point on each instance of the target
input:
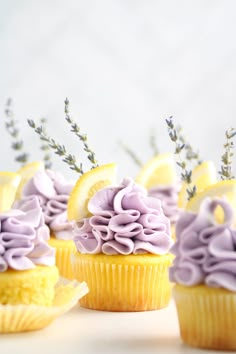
(45, 148)
(58, 148)
(13, 131)
(82, 137)
(132, 154)
(153, 144)
(190, 154)
(186, 174)
(226, 159)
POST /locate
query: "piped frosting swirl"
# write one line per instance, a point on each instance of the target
(205, 250)
(23, 238)
(124, 221)
(52, 191)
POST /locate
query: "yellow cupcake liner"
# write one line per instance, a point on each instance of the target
(206, 317)
(64, 250)
(124, 283)
(21, 318)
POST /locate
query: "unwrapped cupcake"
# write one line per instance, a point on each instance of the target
(31, 293)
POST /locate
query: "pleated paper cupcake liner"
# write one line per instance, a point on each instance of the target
(21, 318)
(124, 283)
(206, 317)
(64, 250)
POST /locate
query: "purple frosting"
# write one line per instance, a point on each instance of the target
(169, 198)
(205, 250)
(52, 191)
(125, 220)
(23, 238)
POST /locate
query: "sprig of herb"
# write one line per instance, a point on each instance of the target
(226, 159)
(58, 148)
(153, 144)
(132, 154)
(82, 137)
(186, 174)
(13, 131)
(45, 148)
(190, 154)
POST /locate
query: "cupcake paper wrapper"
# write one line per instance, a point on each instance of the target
(207, 317)
(20, 318)
(123, 286)
(64, 250)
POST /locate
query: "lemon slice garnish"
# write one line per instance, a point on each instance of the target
(27, 172)
(86, 186)
(222, 189)
(158, 171)
(9, 182)
(203, 175)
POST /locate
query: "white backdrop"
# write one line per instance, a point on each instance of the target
(125, 66)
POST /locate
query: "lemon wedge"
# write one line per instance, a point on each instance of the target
(203, 175)
(9, 182)
(222, 189)
(27, 172)
(86, 186)
(160, 170)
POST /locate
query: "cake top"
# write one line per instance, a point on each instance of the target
(124, 220)
(23, 238)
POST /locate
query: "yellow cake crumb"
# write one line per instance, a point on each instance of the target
(34, 286)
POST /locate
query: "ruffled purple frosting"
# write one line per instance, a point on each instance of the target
(23, 238)
(169, 198)
(125, 220)
(205, 250)
(52, 191)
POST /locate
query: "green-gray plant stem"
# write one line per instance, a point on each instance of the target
(82, 137)
(45, 148)
(132, 154)
(13, 131)
(226, 159)
(186, 174)
(58, 148)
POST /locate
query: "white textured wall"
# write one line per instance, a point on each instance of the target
(125, 66)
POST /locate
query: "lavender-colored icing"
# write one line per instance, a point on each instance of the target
(52, 191)
(169, 198)
(205, 250)
(125, 220)
(23, 238)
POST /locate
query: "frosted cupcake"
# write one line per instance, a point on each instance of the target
(52, 191)
(123, 250)
(137, 278)
(205, 273)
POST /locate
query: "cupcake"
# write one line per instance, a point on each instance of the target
(121, 234)
(52, 191)
(205, 275)
(123, 248)
(27, 263)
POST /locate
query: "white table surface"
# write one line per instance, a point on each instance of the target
(91, 332)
